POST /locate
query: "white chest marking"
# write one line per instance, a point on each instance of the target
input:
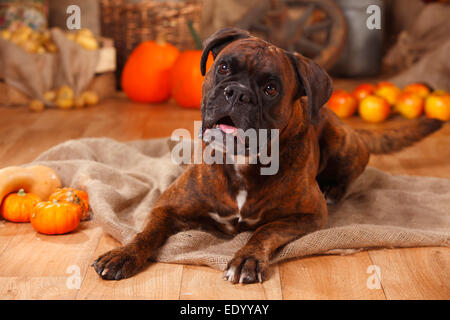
(222, 220)
(226, 221)
(240, 199)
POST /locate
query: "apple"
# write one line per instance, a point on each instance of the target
(388, 91)
(418, 88)
(363, 90)
(374, 109)
(410, 105)
(343, 104)
(437, 105)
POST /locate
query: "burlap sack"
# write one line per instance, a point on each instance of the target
(421, 51)
(433, 69)
(217, 14)
(34, 74)
(124, 179)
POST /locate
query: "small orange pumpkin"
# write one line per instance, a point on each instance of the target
(17, 207)
(78, 197)
(53, 217)
(146, 74)
(187, 80)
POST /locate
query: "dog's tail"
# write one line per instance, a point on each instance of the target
(392, 140)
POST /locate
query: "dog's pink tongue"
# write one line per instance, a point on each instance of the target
(227, 129)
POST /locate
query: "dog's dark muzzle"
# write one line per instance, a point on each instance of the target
(238, 94)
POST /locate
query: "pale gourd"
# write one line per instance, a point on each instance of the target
(40, 180)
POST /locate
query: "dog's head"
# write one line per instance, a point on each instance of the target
(254, 85)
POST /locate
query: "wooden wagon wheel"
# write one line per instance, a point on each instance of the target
(315, 28)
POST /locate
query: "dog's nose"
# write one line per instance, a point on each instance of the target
(237, 92)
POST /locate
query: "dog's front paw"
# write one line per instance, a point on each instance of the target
(245, 269)
(117, 264)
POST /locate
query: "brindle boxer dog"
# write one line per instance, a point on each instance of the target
(253, 84)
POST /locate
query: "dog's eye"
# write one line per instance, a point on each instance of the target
(223, 68)
(270, 90)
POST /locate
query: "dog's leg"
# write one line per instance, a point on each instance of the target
(123, 262)
(250, 263)
(342, 169)
(175, 210)
(334, 184)
(345, 160)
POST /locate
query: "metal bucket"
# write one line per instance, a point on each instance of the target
(362, 54)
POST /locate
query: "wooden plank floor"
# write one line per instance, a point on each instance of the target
(34, 266)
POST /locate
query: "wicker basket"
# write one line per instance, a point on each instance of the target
(132, 23)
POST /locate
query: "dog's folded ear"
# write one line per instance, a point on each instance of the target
(313, 82)
(219, 40)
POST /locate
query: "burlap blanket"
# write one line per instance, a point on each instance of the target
(124, 179)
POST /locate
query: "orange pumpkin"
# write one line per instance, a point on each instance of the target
(187, 79)
(53, 217)
(17, 207)
(74, 196)
(146, 74)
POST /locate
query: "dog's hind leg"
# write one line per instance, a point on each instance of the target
(334, 185)
(343, 158)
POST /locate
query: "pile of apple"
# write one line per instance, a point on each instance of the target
(375, 103)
